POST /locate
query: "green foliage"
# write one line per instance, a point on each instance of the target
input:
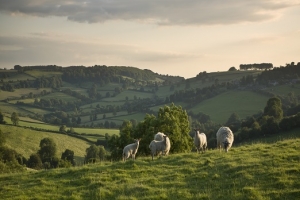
(233, 122)
(14, 118)
(2, 138)
(47, 149)
(95, 153)
(2, 118)
(274, 108)
(68, 155)
(173, 120)
(269, 125)
(35, 162)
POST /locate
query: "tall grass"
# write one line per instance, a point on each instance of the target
(259, 171)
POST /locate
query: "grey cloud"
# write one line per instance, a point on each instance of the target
(161, 12)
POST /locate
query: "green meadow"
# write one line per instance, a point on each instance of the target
(244, 103)
(262, 171)
(26, 141)
(39, 74)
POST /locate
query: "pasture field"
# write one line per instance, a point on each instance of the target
(136, 116)
(102, 103)
(10, 108)
(27, 123)
(20, 92)
(232, 75)
(34, 110)
(258, 171)
(26, 141)
(108, 87)
(18, 77)
(284, 90)
(130, 94)
(39, 74)
(27, 101)
(97, 131)
(59, 95)
(244, 103)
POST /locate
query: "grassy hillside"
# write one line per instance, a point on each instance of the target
(26, 141)
(244, 103)
(253, 171)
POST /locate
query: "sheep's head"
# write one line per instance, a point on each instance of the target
(137, 140)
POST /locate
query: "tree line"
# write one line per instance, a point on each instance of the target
(260, 66)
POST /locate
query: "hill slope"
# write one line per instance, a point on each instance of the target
(256, 171)
(26, 142)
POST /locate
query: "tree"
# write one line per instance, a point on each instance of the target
(69, 156)
(47, 149)
(232, 69)
(233, 122)
(2, 138)
(35, 162)
(274, 108)
(14, 118)
(2, 118)
(95, 153)
(63, 128)
(173, 120)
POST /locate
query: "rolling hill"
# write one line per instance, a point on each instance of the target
(256, 170)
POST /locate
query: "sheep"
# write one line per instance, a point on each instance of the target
(158, 146)
(160, 137)
(224, 138)
(200, 141)
(131, 150)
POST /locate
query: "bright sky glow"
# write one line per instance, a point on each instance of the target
(175, 37)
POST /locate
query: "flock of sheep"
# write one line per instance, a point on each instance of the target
(161, 143)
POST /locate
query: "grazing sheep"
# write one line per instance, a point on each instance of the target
(158, 146)
(160, 137)
(200, 141)
(131, 150)
(224, 138)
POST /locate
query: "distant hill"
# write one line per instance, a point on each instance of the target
(100, 94)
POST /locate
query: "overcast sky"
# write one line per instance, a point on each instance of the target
(175, 37)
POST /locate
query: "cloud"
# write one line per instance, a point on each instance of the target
(160, 12)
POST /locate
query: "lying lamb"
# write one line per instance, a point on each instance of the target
(158, 146)
(224, 138)
(131, 150)
(200, 141)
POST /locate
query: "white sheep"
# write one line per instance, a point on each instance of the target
(160, 137)
(224, 138)
(200, 141)
(131, 150)
(158, 146)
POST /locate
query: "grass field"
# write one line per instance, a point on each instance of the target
(244, 103)
(10, 108)
(59, 95)
(26, 141)
(19, 92)
(252, 171)
(39, 74)
(285, 89)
